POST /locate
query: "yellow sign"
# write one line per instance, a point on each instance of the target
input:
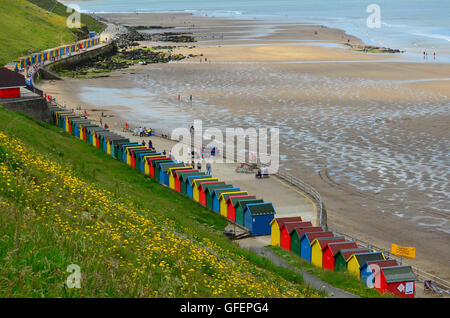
(404, 251)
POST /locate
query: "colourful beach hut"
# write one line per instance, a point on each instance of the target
(317, 245)
(340, 259)
(397, 280)
(184, 179)
(116, 146)
(134, 155)
(285, 230)
(122, 156)
(329, 252)
(189, 183)
(154, 165)
(296, 235)
(223, 206)
(257, 218)
(231, 211)
(147, 161)
(108, 142)
(240, 208)
(172, 174)
(209, 188)
(129, 153)
(164, 171)
(371, 270)
(201, 189)
(276, 224)
(356, 260)
(140, 157)
(216, 195)
(305, 243)
(195, 184)
(178, 174)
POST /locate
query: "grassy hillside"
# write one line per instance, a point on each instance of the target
(60, 9)
(26, 28)
(65, 202)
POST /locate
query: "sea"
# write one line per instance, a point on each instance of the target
(412, 26)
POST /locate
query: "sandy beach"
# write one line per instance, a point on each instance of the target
(368, 131)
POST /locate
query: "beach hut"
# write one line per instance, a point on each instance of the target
(164, 169)
(223, 207)
(316, 248)
(178, 174)
(340, 259)
(200, 189)
(183, 178)
(371, 270)
(189, 183)
(106, 141)
(154, 166)
(77, 127)
(355, 261)
(285, 230)
(134, 155)
(305, 243)
(195, 184)
(276, 224)
(85, 131)
(216, 194)
(129, 153)
(329, 252)
(172, 174)
(240, 208)
(204, 193)
(297, 233)
(116, 145)
(139, 156)
(231, 211)
(257, 218)
(397, 280)
(121, 155)
(146, 163)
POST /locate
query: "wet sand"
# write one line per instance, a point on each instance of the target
(368, 131)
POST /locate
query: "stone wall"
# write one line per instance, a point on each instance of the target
(37, 108)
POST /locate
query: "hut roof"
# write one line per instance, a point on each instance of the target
(366, 257)
(243, 203)
(281, 221)
(385, 263)
(324, 240)
(313, 235)
(302, 230)
(10, 78)
(291, 225)
(209, 188)
(165, 167)
(184, 176)
(337, 246)
(204, 185)
(349, 252)
(227, 195)
(236, 198)
(260, 208)
(395, 274)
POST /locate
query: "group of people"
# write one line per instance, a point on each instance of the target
(262, 172)
(145, 132)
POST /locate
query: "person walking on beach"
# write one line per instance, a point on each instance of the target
(190, 98)
(208, 167)
(199, 165)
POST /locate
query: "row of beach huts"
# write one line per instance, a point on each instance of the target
(22, 62)
(312, 243)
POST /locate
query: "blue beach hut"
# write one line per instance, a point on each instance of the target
(257, 218)
(306, 240)
(189, 189)
(163, 169)
(216, 194)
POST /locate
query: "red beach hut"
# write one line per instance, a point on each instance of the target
(397, 280)
(330, 250)
(201, 191)
(285, 230)
(177, 178)
(231, 201)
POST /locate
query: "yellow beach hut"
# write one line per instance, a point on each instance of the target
(171, 174)
(129, 153)
(316, 248)
(276, 224)
(355, 261)
(147, 164)
(195, 191)
(223, 197)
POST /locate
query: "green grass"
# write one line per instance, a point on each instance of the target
(61, 10)
(48, 223)
(341, 280)
(26, 28)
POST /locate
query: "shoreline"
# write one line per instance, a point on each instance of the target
(350, 223)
